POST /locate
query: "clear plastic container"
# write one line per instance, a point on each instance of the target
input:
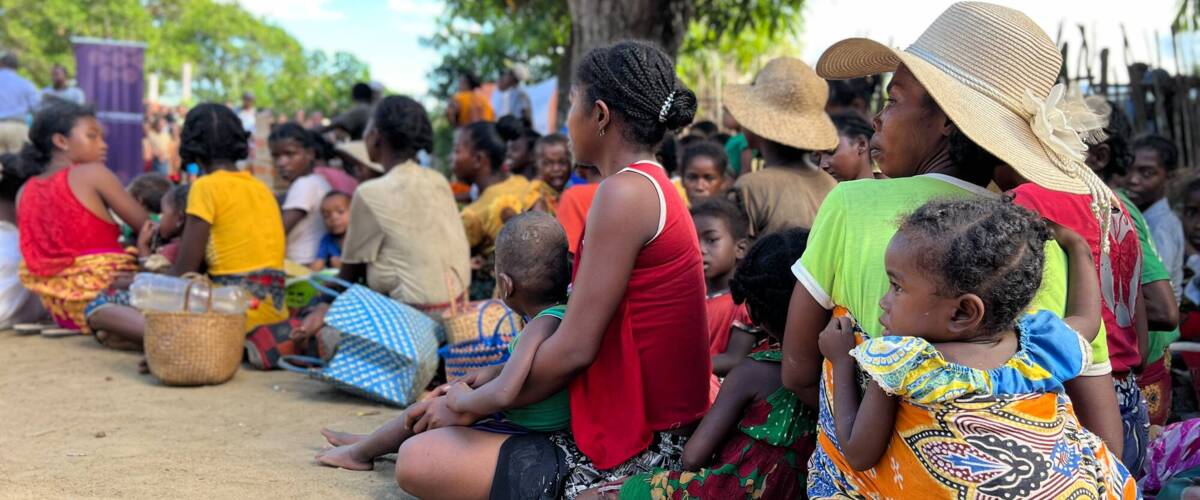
(160, 292)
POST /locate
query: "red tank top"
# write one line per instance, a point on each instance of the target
(651, 373)
(55, 227)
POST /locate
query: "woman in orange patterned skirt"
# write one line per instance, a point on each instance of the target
(69, 240)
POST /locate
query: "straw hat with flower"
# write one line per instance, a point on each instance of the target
(785, 104)
(992, 70)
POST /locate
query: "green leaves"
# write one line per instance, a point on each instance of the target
(231, 49)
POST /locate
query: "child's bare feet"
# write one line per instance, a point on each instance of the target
(343, 457)
(341, 438)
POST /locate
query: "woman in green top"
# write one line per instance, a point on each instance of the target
(930, 141)
(532, 273)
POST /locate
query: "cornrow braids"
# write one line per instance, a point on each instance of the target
(638, 81)
(763, 280)
(404, 125)
(212, 133)
(990, 248)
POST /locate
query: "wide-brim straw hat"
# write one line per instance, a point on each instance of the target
(992, 70)
(358, 151)
(785, 104)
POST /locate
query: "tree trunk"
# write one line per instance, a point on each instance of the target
(595, 23)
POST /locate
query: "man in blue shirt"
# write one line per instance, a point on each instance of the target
(18, 99)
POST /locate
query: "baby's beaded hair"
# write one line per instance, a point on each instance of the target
(991, 248)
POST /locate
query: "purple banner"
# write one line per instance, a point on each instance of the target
(110, 72)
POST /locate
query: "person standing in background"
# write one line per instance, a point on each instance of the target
(248, 114)
(510, 97)
(61, 88)
(466, 106)
(1155, 160)
(353, 122)
(18, 99)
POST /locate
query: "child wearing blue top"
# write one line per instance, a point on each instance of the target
(335, 209)
(962, 375)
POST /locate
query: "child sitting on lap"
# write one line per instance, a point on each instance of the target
(532, 273)
(756, 439)
(147, 189)
(965, 393)
(159, 249)
(335, 209)
(722, 229)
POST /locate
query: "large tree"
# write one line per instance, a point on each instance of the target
(480, 35)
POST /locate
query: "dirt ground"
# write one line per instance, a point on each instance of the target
(78, 421)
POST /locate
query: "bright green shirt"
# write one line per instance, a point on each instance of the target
(551, 414)
(1152, 270)
(843, 264)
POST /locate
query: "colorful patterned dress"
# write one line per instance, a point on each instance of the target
(71, 256)
(765, 459)
(961, 432)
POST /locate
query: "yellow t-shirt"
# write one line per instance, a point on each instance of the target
(247, 228)
(478, 218)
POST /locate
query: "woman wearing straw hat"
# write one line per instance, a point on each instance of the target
(783, 116)
(979, 75)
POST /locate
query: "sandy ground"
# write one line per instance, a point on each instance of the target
(77, 421)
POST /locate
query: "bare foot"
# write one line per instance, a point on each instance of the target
(341, 438)
(107, 339)
(343, 457)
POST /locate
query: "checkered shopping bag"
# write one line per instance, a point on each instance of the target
(387, 351)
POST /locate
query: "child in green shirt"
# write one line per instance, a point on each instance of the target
(532, 273)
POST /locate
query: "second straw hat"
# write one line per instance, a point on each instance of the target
(785, 104)
(358, 151)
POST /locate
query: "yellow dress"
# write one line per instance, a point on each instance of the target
(478, 220)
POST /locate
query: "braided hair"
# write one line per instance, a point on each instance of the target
(989, 248)
(56, 119)
(763, 281)
(212, 133)
(637, 81)
(403, 125)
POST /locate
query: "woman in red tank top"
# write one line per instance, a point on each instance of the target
(632, 349)
(69, 242)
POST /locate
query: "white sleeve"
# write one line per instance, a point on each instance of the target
(304, 195)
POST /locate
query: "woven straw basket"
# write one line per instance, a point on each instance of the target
(461, 319)
(186, 348)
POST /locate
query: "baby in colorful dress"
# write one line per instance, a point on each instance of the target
(964, 397)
